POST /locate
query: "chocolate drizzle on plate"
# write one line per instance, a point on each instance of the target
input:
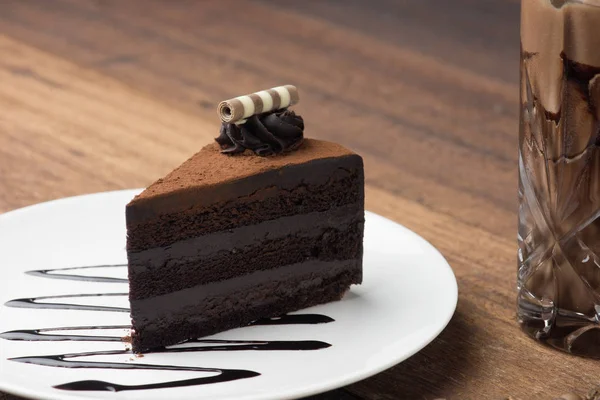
(71, 360)
(66, 361)
(63, 361)
(46, 335)
(225, 375)
(34, 302)
(40, 335)
(295, 319)
(50, 273)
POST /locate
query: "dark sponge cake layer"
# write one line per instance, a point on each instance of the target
(265, 204)
(332, 235)
(173, 318)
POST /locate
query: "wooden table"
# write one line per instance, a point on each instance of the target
(111, 94)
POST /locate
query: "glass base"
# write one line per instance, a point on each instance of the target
(564, 330)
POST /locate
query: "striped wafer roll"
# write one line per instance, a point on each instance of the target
(239, 109)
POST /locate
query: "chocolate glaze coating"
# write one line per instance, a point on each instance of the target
(265, 134)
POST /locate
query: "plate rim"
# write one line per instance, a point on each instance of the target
(317, 388)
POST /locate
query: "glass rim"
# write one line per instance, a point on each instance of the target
(591, 3)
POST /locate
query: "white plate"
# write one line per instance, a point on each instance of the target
(408, 296)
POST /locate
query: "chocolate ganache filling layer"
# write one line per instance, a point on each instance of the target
(265, 134)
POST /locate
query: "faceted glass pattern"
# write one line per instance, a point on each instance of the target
(559, 178)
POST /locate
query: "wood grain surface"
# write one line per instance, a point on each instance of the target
(111, 94)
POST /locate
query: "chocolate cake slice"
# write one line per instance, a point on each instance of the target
(226, 239)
